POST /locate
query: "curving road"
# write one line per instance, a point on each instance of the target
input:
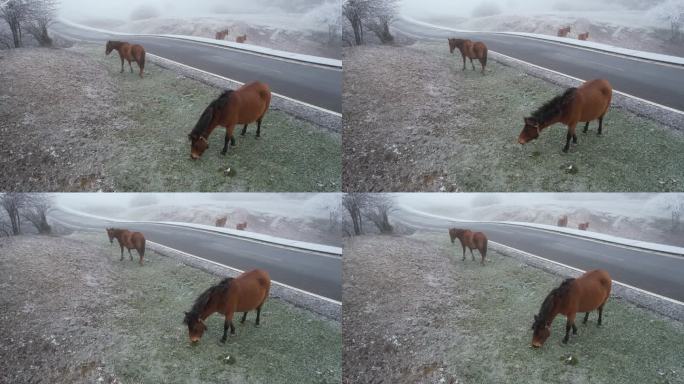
(656, 82)
(651, 271)
(312, 84)
(310, 271)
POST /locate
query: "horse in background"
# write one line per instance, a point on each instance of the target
(244, 293)
(563, 32)
(583, 36)
(588, 102)
(241, 39)
(244, 105)
(477, 50)
(221, 221)
(563, 221)
(128, 239)
(129, 53)
(221, 35)
(583, 294)
(583, 226)
(472, 240)
(241, 226)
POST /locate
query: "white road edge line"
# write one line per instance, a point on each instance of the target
(581, 80)
(241, 83)
(256, 241)
(241, 271)
(582, 271)
(574, 78)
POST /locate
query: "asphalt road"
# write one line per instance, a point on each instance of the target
(312, 272)
(651, 271)
(656, 82)
(312, 84)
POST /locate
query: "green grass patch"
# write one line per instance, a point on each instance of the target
(633, 345)
(633, 154)
(154, 154)
(151, 344)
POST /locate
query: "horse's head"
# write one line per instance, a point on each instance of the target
(542, 331)
(110, 233)
(196, 326)
(452, 45)
(109, 48)
(530, 131)
(198, 144)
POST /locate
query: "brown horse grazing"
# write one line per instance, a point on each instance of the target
(241, 39)
(221, 221)
(477, 50)
(221, 35)
(472, 240)
(588, 102)
(563, 32)
(128, 52)
(245, 105)
(583, 294)
(583, 36)
(128, 239)
(241, 226)
(241, 294)
(563, 221)
(583, 226)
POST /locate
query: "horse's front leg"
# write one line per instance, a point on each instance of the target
(229, 137)
(122, 63)
(462, 245)
(472, 256)
(130, 66)
(258, 134)
(258, 314)
(228, 323)
(244, 130)
(586, 127)
(244, 317)
(570, 323)
(464, 60)
(130, 254)
(122, 247)
(471, 63)
(600, 125)
(571, 135)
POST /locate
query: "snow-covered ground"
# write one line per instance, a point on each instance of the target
(303, 217)
(644, 28)
(645, 217)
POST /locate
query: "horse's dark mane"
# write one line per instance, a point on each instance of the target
(203, 300)
(554, 107)
(208, 114)
(548, 304)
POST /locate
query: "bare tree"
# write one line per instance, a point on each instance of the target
(354, 203)
(41, 16)
(15, 13)
(35, 211)
(12, 203)
(381, 15)
(356, 11)
(378, 208)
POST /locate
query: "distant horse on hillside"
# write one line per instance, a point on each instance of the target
(221, 35)
(128, 239)
(128, 52)
(477, 50)
(221, 221)
(563, 221)
(563, 32)
(241, 226)
(583, 294)
(583, 36)
(241, 39)
(588, 102)
(244, 293)
(470, 239)
(244, 105)
(583, 226)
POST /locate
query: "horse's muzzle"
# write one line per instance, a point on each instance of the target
(193, 157)
(522, 141)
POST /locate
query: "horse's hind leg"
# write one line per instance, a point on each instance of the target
(130, 254)
(121, 259)
(258, 315)
(472, 256)
(244, 317)
(600, 310)
(258, 134)
(122, 63)
(569, 324)
(472, 64)
(586, 318)
(130, 66)
(463, 252)
(600, 125)
(228, 323)
(586, 127)
(244, 130)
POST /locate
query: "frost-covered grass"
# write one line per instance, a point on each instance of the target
(438, 127)
(415, 312)
(632, 345)
(154, 154)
